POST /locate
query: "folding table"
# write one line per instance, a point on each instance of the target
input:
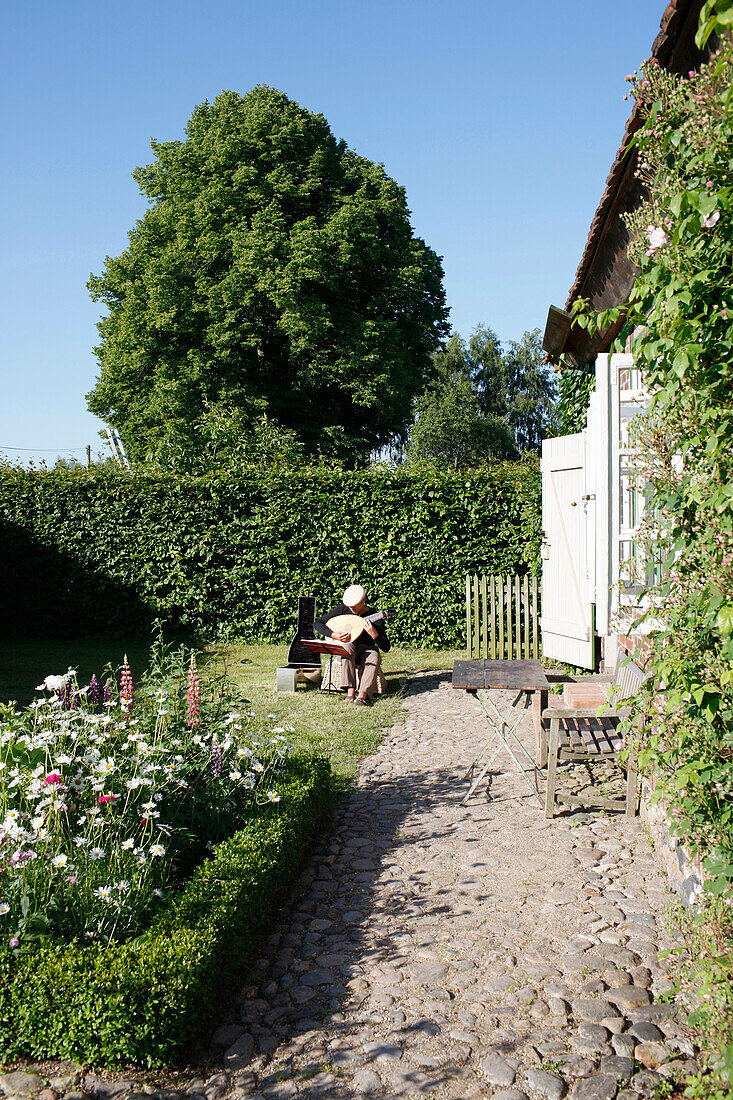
(480, 677)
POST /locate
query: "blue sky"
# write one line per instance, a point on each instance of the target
(501, 121)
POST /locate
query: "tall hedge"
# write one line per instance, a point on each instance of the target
(99, 550)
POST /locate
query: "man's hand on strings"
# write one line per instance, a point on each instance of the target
(371, 630)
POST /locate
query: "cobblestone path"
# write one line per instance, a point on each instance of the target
(450, 951)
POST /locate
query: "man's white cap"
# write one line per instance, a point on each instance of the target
(353, 595)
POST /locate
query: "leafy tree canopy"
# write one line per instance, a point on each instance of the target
(531, 392)
(275, 272)
(484, 401)
(451, 430)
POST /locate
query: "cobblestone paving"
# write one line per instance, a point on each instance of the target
(435, 949)
(460, 951)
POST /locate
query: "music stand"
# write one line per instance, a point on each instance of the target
(333, 649)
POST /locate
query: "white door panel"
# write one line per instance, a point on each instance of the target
(567, 612)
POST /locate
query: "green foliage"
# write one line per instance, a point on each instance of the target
(705, 963)
(487, 370)
(508, 388)
(716, 17)
(681, 317)
(531, 392)
(227, 438)
(450, 429)
(101, 550)
(575, 387)
(144, 1000)
(275, 271)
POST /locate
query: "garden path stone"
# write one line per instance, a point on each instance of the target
(431, 948)
(21, 1084)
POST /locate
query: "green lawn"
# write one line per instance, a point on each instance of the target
(324, 723)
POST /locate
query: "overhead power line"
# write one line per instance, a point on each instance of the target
(5, 447)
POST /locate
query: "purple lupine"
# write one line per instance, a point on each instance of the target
(217, 758)
(66, 695)
(93, 695)
(107, 691)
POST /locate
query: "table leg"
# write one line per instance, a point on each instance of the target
(539, 703)
(505, 733)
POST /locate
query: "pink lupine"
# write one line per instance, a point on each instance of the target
(126, 690)
(193, 695)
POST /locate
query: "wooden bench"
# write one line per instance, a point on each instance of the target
(577, 733)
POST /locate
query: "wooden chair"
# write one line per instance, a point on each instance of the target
(577, 733)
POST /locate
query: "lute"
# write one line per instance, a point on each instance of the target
(354, 624)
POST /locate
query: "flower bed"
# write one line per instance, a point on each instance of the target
(130, 896)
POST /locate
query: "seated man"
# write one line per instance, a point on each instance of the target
(363, 652)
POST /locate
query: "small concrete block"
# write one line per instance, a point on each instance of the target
(285, 679)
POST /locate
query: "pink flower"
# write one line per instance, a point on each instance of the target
(709, 183)
(52, 778)
(657, 239)
(104, 798)
(126, 689)
(14, 941)
(711, 220)
(193, 695)
(691, 73)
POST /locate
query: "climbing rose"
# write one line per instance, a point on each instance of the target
(657, 239)
(711, 220)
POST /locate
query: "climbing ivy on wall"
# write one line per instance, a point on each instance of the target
(575, 388)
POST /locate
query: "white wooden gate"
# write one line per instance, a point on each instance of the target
(592, 506)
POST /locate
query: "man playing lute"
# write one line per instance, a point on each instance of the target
(362, 639)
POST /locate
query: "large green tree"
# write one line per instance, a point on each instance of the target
(274, 272)
(451, 430)
(510, 389)
(531, 390)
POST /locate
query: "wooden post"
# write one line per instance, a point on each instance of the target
(484, 647)
(526, 648)
(492, 655)
(517, 620)
(476, 620)
(554, 748)
(469, 646)
(535, 624)
(509, 623)
(500, 601)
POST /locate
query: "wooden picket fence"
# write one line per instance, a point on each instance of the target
(502, 617)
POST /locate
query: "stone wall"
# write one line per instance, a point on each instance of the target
(684, 872)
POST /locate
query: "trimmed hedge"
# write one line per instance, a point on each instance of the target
(141, 1001)
(102, 550)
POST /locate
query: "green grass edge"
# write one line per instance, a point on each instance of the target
(140, 1002)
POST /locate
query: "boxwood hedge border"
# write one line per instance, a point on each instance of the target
(142, 1001)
